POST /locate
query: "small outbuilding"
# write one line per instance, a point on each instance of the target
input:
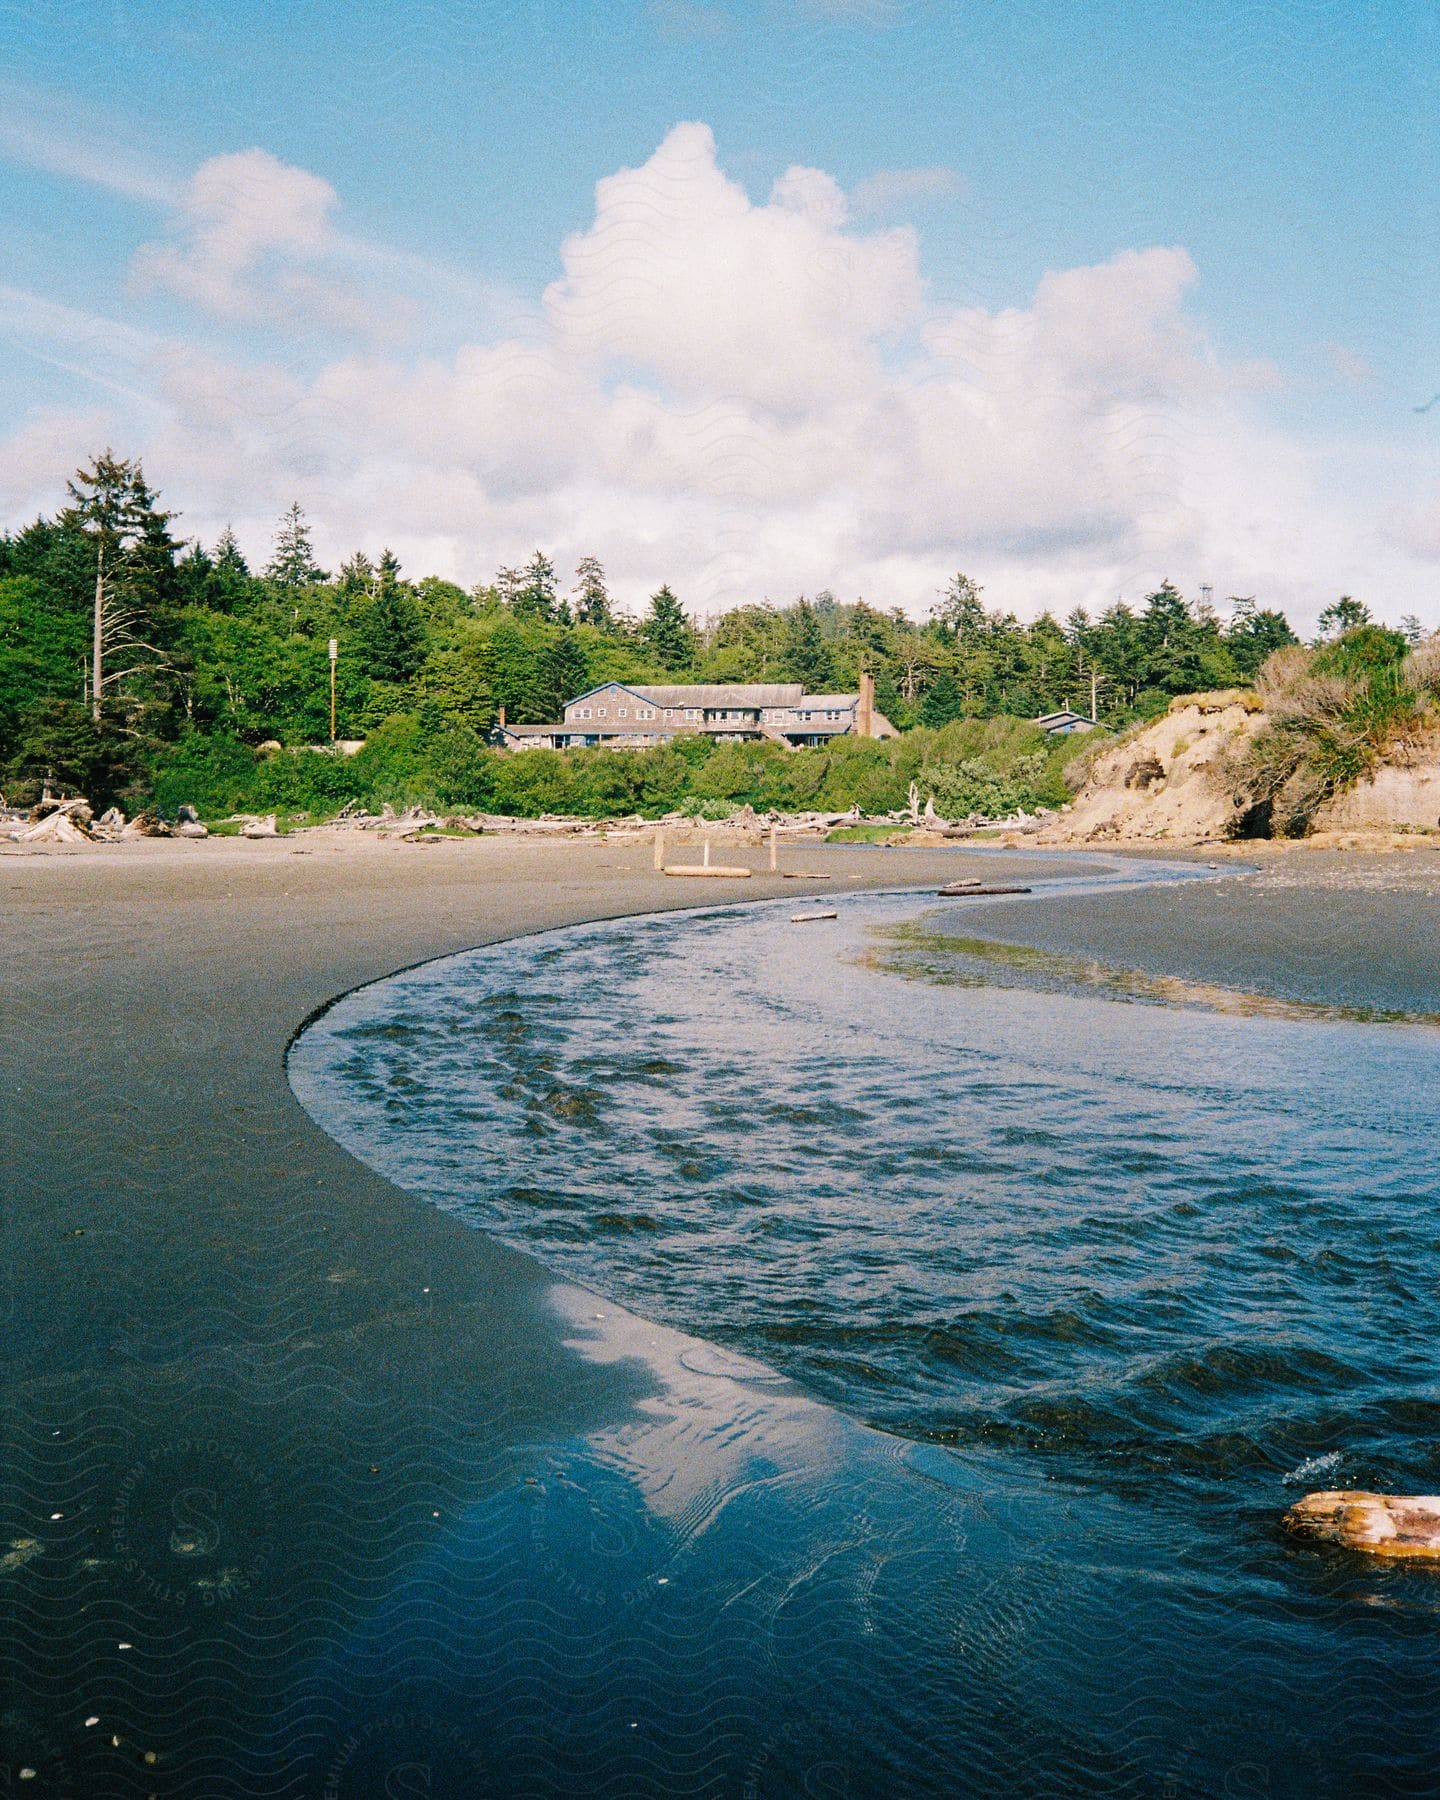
(1062, 723)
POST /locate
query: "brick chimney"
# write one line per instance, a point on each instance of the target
(500, 718)
(865, 710)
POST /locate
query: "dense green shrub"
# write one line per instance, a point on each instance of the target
(216, 775)
(973, 786)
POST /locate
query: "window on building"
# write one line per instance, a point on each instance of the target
(622, 712)
(600, 712)
(669, 712)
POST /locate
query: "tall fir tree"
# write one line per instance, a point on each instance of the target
(389, 628)
(564, 672)
(357, 575)
(941, 702)
(115, 513)
(592, 597)
(960, 609)
(807, 655)
(292, 563)
(667, 633)
(536, 596)
(228, 556)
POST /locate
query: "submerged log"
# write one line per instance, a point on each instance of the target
(808, 918)
(954, 892)
(734, 874)
(1399, 1526)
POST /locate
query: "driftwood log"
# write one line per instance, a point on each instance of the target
(1398, 1526)
(55, 828)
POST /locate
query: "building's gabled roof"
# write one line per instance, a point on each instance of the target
(605, 687)
(748, 695)
(826, 702)
(1066, 716)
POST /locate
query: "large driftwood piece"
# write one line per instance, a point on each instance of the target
(1398, 1526)
(55, 828)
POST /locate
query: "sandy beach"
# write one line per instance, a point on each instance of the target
(223, 1329)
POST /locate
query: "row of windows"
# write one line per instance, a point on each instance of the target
(641, 712)
(773, 714)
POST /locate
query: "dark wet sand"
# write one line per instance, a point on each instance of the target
(206, 1298)
(345, 1510)
(1331, 926)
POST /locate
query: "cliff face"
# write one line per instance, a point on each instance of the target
(1174, 779)
(1168, 780)
(1397, 796)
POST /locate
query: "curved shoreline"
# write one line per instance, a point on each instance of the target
(206, 1295)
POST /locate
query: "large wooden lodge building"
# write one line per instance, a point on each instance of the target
(624, 717)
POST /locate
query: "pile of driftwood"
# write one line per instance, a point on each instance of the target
(743, 822)
(73, 821)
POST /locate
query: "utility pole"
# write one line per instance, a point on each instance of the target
(97, 658)
(1094, 695)
(334, 655)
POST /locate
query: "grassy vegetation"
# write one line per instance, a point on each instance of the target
(1333, 714)
(863, 834)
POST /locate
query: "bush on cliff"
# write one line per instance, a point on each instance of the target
(1331, 716)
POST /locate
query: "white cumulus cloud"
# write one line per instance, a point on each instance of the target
(682, 274)
(744, 396)
(251, 236)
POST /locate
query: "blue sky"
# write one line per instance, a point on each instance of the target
(1288, 154)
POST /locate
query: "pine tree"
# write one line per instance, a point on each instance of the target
(228, 556)
(564, 672)
(293, 562)
(667, 634)
(1255, 635)
(389, 628)
(960, 609)
(592, 597)
(357, 575)
(941, 701)
(535, 598)
(129, 537)
(1340, 616)
(807, 655)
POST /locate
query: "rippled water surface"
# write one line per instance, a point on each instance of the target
(1176, 1244)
